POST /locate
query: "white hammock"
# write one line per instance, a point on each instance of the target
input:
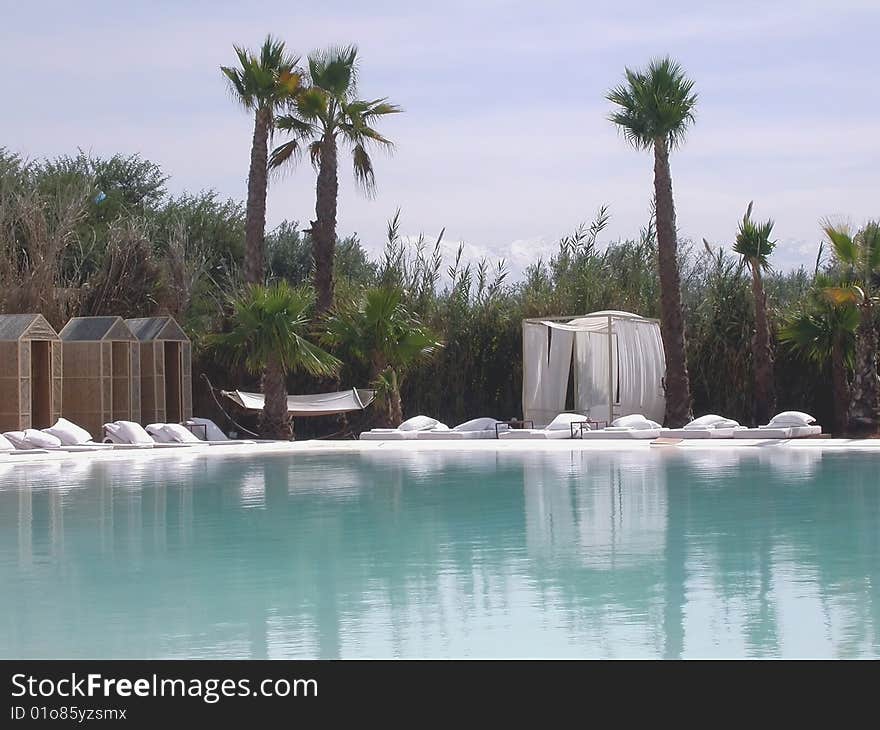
(318, 404)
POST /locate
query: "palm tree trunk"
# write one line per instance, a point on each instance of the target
(865, 404)
(324, 227)
(255, 223)
(395, 407)
(762, 353)
(839, 386)
(677, 384)
(383, 416)
(275, 422)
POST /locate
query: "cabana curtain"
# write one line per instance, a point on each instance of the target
(618, 364)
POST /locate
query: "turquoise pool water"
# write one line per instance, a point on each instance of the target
(746, 553)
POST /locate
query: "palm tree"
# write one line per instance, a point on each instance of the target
(262, 84)
(380, 332)
(322, 115)
(656, 107)
(267, 337)
(823, 331)
(859, 255)
(754, 244)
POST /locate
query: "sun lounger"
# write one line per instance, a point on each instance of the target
(623, 432)
(785, 425)
(702, 433)
(777, 432)
(406, 431)
(709, 426)
(476, 428)
(633, 426)
(558, 428)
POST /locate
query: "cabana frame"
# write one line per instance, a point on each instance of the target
(609, 318)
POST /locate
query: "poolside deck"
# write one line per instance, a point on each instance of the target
(488, 445)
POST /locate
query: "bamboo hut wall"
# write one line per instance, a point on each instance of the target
(16, 384)
(100, 377)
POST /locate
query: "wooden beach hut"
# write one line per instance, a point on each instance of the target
(30, 372)
(166, 369)
(101, 372)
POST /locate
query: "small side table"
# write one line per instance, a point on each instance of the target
(193, 426)
(578, 427)
(513, 424)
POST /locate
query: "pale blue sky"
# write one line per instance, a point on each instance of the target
(505, 140)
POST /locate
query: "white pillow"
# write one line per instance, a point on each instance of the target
(563, 421)
(418, 423)
(17, 439)
(212, 430)
(635, 421)
(69, 433)
(477, 424)
(5, 443)
(31, 438)
(157, 432)
(791, 418)
(710, 419)
(127, 432)
(175, 433)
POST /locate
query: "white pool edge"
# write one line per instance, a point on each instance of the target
(479, 445)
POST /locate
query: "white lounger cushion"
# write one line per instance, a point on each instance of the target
(636, 420)
(127, 432)
(69, 433)
(791, 418)
(172, 433)
(777, 432)
(709, 432)
(32, 438)
(454, 435)
(5, 444)
(621, 432)
(388, 434)
(535, 433)
(213, 432)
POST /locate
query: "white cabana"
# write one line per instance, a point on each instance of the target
(614, 360)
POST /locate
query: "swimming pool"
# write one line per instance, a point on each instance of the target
(740, 552)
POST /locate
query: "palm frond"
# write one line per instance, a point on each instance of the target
(753, 241)
(657, 103)
(335, 70)
(267, 80)
(269, 322)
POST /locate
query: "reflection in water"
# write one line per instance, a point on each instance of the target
(752, 552)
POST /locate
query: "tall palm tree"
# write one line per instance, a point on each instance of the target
(262, 84)
(655, 109)
(754, 244)
(268, 337)
(381, 332)
(859, 255)
(823, 331)
(321, 116)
